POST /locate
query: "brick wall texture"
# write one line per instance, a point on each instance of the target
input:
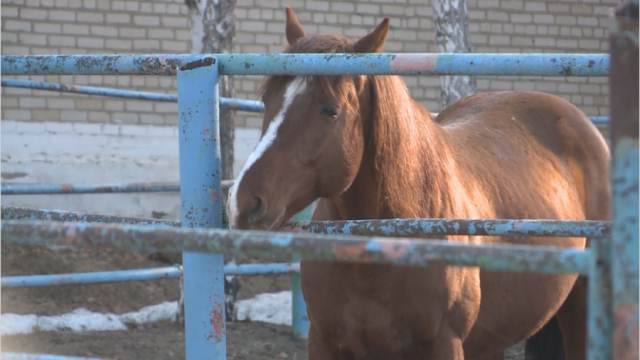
(163, 26)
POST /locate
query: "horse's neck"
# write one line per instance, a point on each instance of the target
(422, 184)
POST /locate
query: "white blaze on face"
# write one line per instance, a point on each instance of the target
(295, 88)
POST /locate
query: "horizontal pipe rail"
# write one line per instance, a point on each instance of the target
(443, 227)
(228, 103)
(29, 356)
(98, 277)
(600, 120)
(261, 269)
(14, 213)
(400, 251)
(384, 227)
(316, 64)
(168, 272)
(65, 189)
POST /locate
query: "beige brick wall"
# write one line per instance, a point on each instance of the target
(162, 26)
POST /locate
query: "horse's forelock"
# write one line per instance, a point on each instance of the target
(312, 44)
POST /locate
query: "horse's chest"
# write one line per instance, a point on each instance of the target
(368, 325)
(362, 308)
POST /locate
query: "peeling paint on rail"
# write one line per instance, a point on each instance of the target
(400, 251)
(316, 64)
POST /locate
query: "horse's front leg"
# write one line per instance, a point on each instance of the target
(321, 349)
(445, 346)
(457, 323)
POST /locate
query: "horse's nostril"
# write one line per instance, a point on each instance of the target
(258, 212)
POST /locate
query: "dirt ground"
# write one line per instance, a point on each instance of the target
(162, 340)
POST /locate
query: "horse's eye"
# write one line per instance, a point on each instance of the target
(329, 111)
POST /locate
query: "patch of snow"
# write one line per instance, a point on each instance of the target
(167, 310)
(80, 320)
(274, 308)
(14, 324)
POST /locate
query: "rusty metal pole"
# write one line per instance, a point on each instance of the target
(201, 207)
(623, 84)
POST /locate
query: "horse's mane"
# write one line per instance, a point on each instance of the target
(403, 138)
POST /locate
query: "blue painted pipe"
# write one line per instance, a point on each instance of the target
(445, 227)
(360, 249)
(600, 120)
(40, 189)
(169, 272)
(261, 269)
(201, 207)
(316, 64)
(228, 103)
(27, 356)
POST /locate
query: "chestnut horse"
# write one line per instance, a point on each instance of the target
(367, 150)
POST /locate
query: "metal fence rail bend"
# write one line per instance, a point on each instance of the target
(228, 103)
(611, 262)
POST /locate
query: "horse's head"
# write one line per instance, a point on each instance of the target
(312, 141)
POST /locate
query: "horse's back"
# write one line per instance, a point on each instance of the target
(517, 132)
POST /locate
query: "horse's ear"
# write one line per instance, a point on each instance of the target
(294, 28)
(374, 41)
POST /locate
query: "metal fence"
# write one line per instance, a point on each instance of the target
(611, 263)
(300, 325)
(229, 103)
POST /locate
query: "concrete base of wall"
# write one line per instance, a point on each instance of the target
(85, 153)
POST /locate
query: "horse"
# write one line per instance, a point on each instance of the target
(364, 149)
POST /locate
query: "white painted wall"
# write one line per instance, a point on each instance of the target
(86, 153)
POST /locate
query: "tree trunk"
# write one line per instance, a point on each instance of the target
(452, 29)
(213, 28)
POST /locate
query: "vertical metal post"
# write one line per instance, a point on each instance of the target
(201, 206)
(623, 84)
(300, 320)
(599, 301)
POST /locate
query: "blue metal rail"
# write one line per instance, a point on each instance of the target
(444, 227)
(66, 189)
(378, 227)
(401, 251)
(228, 103)
(28, 356)
(316, 64)
(168, 272)
(13, 213)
